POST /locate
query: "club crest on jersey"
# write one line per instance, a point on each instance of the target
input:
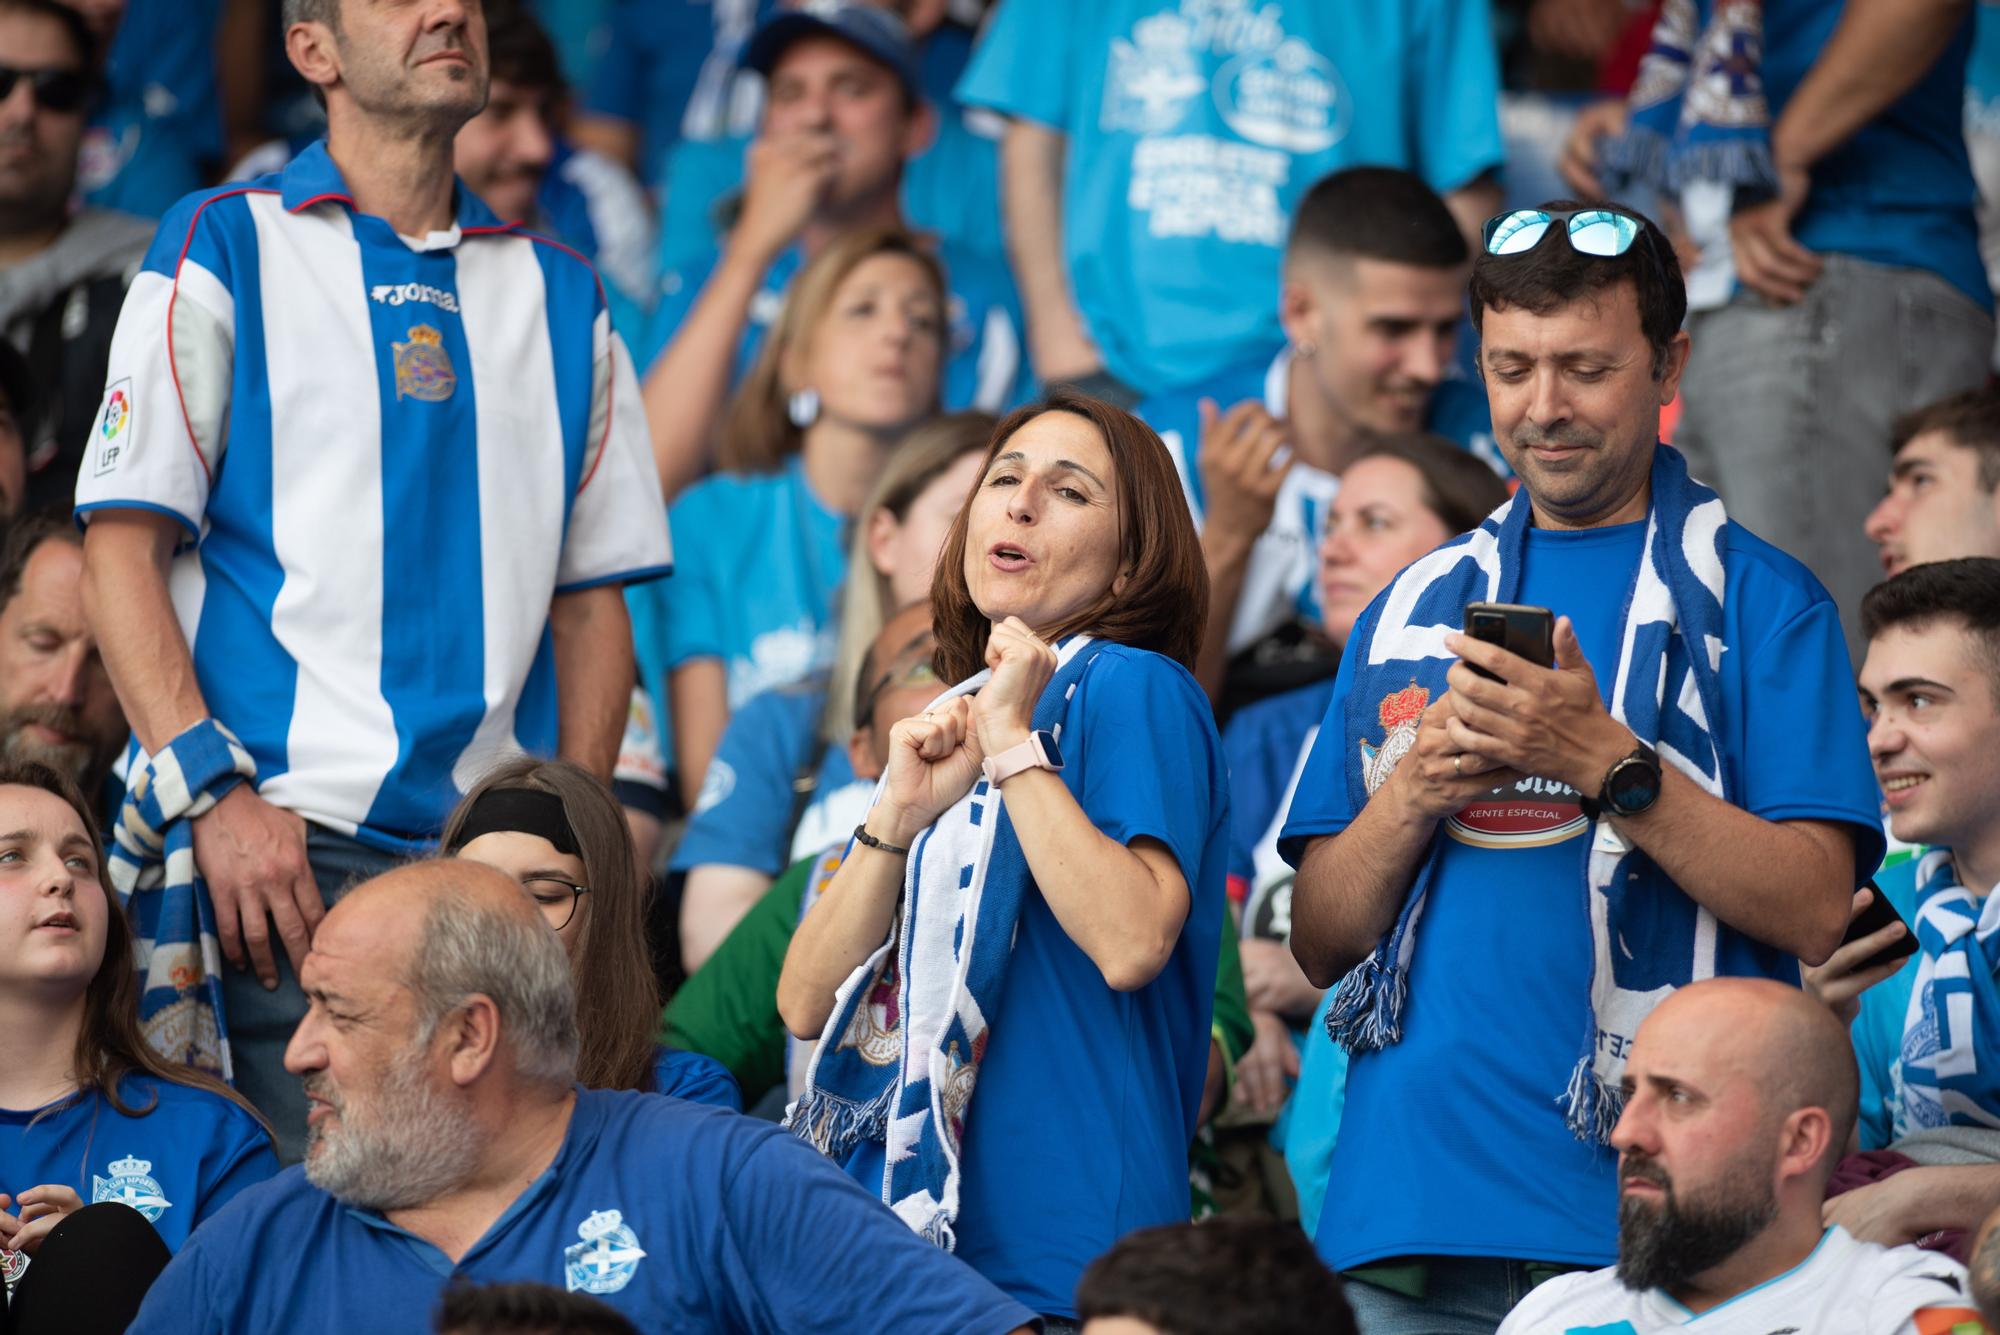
(606, 1259)
(423, 367)
(1398, 714)
(13, 1265)
(131, 1184)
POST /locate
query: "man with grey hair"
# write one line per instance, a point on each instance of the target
(447, 1141)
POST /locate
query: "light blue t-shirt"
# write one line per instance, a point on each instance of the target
(1878, 1029)
(985, 364)
(1194, 126)
(1451, 1143)
(1079, 1127)
(176, 1164)
(680, 1217)
(743, 815)
(1899, 191)
(760, 561)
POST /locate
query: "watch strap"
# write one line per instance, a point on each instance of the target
(1025, 754)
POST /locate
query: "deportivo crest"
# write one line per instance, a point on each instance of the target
(423, 367)
(606, 1259)
(131, 1184)
(13, 1265)
(1398, 713)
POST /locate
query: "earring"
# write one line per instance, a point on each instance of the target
(1303, 351)
(803, 407)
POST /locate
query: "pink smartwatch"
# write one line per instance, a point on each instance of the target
(1037, 751)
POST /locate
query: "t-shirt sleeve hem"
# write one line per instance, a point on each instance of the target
(641, 575)
(1293, 839)
(152, 507)
(1868, 825)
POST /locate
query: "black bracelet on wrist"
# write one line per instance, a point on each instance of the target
(861, 836)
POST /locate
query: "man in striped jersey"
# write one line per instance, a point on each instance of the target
(369, 473)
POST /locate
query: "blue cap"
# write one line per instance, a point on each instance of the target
(877, 32)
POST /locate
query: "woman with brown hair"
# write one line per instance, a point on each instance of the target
(88, 1112)
(852, 363)
(557, 829)
(1011, 974)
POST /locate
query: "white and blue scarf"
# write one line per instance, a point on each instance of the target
(1954, 1004)
(1698, 109)
(900, 1054)
(153, 869)
(1648, 936)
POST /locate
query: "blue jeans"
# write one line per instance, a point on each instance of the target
(1463, 1295)
(261, 1022)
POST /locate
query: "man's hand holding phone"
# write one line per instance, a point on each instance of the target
(1877, 944)
(1545, 721)
(1435, 779)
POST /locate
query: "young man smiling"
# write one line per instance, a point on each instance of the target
(1927, 1028)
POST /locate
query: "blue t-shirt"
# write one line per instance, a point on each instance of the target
(1982, 71)
(696, 1077)
(1451, 1143)
(1079, 1126)
(1900, 190)
(984, 365)
(742, 816)
(1194, 128)
(679, 1216)
(177, 1164)
(159, 120)
(670, 70)
(1265, 745)
(737, 534)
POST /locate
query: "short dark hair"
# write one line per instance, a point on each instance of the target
(1971, 419)
(23, 539)
(1378, 213)
(1165, 602)
(1966, 590)
(308, 11)
(1552, 274)
(88, 57)
(1458, 486)
(518, 51)
(1246, 1276)
(525, 1309)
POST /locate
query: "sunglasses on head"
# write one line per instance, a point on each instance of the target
(55, 90)
(1605, 233)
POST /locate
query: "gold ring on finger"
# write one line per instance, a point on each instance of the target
(1458, 765)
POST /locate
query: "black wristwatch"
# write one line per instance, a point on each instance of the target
(1631, 786)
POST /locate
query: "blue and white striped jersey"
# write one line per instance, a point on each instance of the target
(389, 455)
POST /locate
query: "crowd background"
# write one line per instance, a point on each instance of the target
(853, 260)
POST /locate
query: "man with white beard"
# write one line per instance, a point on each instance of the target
(447, 1140)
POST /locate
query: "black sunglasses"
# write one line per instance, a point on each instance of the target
(55, 90)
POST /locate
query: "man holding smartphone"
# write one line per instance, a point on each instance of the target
(1926, 1026)
(1683, 793)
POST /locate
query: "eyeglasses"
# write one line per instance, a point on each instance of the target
(55, 90)
(556, 898)
(912, 674)
(1605, 233)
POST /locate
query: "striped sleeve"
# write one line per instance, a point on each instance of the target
(618, 521)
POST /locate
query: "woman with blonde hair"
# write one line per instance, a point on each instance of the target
(554, 827)
(850, 366)
(785, 788)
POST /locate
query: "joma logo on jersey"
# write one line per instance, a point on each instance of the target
(402, 294)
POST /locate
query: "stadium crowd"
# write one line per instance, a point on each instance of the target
(649, 648)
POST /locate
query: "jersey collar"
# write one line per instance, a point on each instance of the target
(312, 178)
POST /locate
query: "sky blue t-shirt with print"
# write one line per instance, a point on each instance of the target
(1453, 1144)
(176, 1165)
(1079, 1126)
(758, 565)
(680, 1217)
(1900, 190)
(986, 364)
(1194, 127)
(743, 815)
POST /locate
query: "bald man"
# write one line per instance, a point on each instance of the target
(1739, 1098)
(447, 1141)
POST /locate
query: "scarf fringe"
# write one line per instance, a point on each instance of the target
(834, 1125)
(1637, 157)
(1591, 1107)
(1367, 1010)
(1644, 156)
(939, 1232)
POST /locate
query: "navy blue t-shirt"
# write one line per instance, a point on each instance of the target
(1453, 1140)
(680, 1216)
(1079, 1126)
(176, 1164)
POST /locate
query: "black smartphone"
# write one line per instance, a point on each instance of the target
(1875, 915)
(1527, 631)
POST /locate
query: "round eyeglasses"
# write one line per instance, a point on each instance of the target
(556, 898)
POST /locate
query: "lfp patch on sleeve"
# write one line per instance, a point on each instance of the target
(112, 438)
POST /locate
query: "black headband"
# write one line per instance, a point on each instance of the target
(518, 811)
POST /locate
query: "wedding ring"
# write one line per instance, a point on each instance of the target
(1457, 765)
